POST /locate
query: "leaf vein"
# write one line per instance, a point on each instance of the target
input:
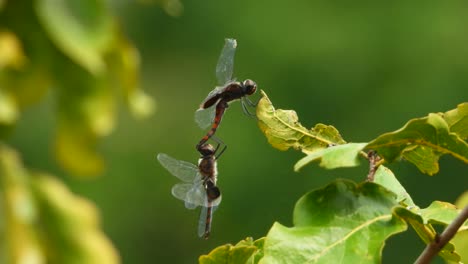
(358, 228)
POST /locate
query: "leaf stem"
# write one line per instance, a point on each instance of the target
(374, 163)
(440, 240)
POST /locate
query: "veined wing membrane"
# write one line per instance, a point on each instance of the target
(196, 196)
(183, 170)
(204, 117)
(205, 220)
(225, 65)
(181, 191)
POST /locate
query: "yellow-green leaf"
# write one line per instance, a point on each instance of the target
(283, 130)
(44, 222)
(18, 211)
(11, 51)
(82, 29)
(422, 141)
(75, 149)
(422, 221)
(8, 109)
(242, 252)
(71, 224)
(124, 66)
(457, 119)
(460, 241)
(345, 155)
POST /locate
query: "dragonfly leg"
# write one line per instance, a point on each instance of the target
(245, 109)
(250, 103)
(218, 145)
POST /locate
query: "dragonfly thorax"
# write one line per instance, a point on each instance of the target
(208, 168)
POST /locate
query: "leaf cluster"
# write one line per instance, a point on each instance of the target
(77, 53)
(43, 222)
(348, 222)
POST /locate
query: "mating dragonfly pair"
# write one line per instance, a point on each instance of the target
(198, 187)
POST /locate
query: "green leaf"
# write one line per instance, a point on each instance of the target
(83, 30)
(422, 221)
(283, 130)
(462, 201)
(11, 51)
(124, 66)
(8, 109)
(86, 112)
(76, 151)
(460, 241)
(457, 119)
(243, 252)
(387, 179)
(71, 225)
(425, 158)
(18, 234)
(442, 213)
(45, 222)
(422, 141)
(340, 223)
(346, 155)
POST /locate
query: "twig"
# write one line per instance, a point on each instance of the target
(373, 164)
(439, 241)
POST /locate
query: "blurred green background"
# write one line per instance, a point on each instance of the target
(364, 67)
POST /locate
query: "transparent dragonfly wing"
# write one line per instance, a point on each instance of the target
(225, 65)
(183, 170)
(180, 191)
(205, 117)
(196, 196)
(202, 221)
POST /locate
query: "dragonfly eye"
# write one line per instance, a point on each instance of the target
(249, 86)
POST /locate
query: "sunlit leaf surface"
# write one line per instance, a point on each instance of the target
(423, 140)
(246, 251)
(75, 149)
(43, 222)
(460, 241)
(82, 35)
(11, 51)
(76, 50)
(8, 108)
(20, 238)
(338, 156)
(422, 220)
(340, 223)
(124, 65)
(72, 225)
(387, 179)
(283, 130)
(457, 119)
(425, 230)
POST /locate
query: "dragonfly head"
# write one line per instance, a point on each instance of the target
(206, 150)
(250, 87)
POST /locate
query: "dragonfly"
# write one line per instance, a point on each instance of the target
(198, 186)
(214, 106)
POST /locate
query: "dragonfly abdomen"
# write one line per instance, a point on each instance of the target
(220, 109)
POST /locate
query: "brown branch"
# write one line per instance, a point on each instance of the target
(439, 241)
(373, 164)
